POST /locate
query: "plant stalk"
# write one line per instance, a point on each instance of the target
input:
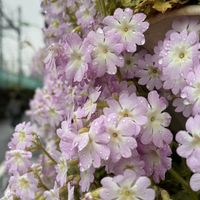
(184, 184)
(47, 154)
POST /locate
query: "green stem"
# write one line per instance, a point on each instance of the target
(40, 146)
(41, 182)
(102, 104)
(98, 6)
(179, 178)
(184, 184)
(102, 6)
(95, 194)
(47, 154)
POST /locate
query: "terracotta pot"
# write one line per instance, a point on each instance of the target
(161, 23)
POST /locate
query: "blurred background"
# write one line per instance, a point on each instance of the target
(21, 25)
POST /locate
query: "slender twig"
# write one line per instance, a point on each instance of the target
(47, 154)
(40, 146)
(41, 182)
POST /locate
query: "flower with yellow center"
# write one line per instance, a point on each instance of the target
(126, 187)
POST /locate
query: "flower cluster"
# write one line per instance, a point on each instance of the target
(189, 148)
(100, 126)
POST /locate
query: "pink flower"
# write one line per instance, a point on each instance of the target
(85, 14)
(195, 182)
(133, 163)
(87, 177)
(106, 50)
(71, 3)
(189, 141)
(181, 107)
(70, 192)
(179, 54)
(149, 72)
(18, 161)
(173, 83)
(45, 110)
(67, 135)
(128, 105)
(125, 86)
(92, 145)
(155, 129)
(121, 133)
(157, 160)
(130, 27)
(53, 111)
(54, 51)
(22, 138)
(191, 92)
(127, 186)
(52, 194)
(8, 194)
(186, 23)
(90, 105)
(78, 57)
(130, 67)
(25, 187)
(61, 170)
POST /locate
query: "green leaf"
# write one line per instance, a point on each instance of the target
(182, 195)
(127, 3)
(162, 6)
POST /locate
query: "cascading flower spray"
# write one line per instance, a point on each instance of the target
(102, 126)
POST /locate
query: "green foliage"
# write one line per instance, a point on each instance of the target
(149, 7)
(152, 6)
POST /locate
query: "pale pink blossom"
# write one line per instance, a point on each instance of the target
(127, 186)
(129, 26)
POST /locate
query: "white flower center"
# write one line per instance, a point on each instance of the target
(153, 71)
(125, 27)
(129, 166)
(86, 13)
(181, 55)
(125, 113)
(196, 140)
(152, 119)
(63, 166)
(22, 136)
(115, 136)
(24, 183)
(155, 119)
(52, 194)
(76, 56)
(103, 48)
(55, 24)
(126, 193)
(18, 158)
(128, 62)
(154, 157)
(52, 112)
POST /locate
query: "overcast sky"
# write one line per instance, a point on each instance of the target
(33, 34)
